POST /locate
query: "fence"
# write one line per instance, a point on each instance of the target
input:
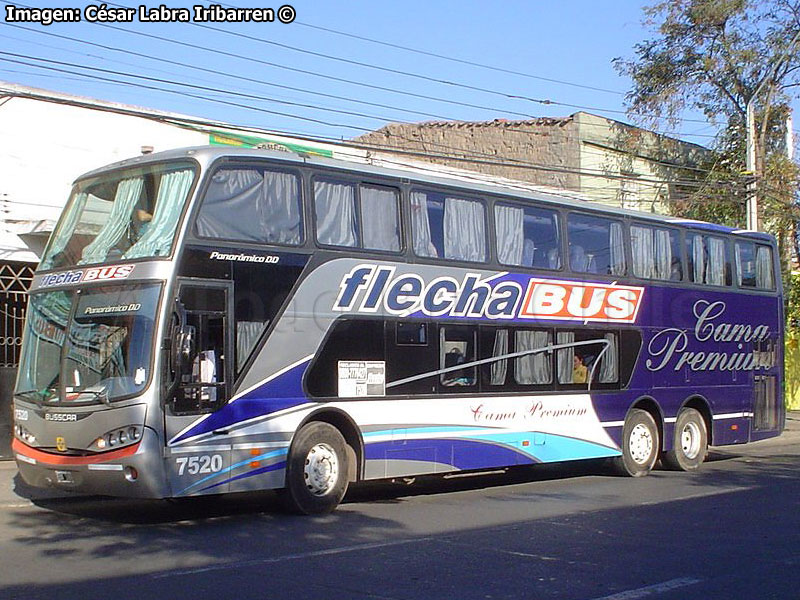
(15, 279)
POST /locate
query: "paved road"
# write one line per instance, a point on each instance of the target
(730, 531)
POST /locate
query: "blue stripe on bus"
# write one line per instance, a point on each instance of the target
(488, 451)
(273, 467)
(285, 391)
(267, 456)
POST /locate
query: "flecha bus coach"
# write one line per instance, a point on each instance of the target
(212, 320)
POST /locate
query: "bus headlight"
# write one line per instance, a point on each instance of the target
(25, 435)
(124, 436)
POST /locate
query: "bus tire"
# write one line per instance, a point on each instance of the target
(689, 442)
(640, 446)
(316, 470)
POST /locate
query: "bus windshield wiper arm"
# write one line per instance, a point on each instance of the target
(38, 396)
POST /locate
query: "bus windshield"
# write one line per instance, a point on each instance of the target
(90, 346)
(121, 215)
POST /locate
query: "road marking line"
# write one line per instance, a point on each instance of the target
(643, 592)
(276, 559)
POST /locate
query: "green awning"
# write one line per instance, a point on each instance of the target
(248, 141)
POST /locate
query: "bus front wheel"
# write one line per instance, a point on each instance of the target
(640, 446)
(316, 470)
(689, 443)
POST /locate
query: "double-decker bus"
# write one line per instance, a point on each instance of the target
(224, 320)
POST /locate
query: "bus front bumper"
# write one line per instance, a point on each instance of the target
(136, 471)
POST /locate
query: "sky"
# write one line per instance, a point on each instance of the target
(343, 68)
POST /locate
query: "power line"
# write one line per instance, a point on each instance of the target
(467, 159)
(140, 85)
(216, 72)
(224, 74)
(359, 83)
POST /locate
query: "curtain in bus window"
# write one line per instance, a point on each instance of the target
(642, 249)
(247, 334)
(509, 223)
(737, 257)
(617, 245)
(379, 219)
(715, 274)
(128, 192)
(532, 369)
(336, 216)
(764, 277)
(663, 255)
(157, 239)
(229, 209)
(499, 368)
(280, 218)
(64, 234)
(420, 226)
(609, 366)
(565, 356)
(698, 259)
(464, 230)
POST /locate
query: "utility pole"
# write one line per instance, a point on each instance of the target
(750, 163)
(750, 125)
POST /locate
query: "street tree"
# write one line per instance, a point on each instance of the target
(718, 56)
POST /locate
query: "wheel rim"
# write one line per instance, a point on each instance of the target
(321, 469)
(690, 440)
(640, 444)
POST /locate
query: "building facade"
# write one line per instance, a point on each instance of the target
(601, 159)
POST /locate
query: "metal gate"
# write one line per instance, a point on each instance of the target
(15, 279)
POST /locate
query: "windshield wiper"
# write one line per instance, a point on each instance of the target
(38, 396)
(96, 394)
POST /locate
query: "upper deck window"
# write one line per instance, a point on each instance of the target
(754, 266)
(252, 204)
(448, 227)
(596, 245)
(357, 216)
(527, 236)
(656, 253)
(121, 215)
(708, 259)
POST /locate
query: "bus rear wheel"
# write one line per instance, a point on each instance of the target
(317, 470)
(689, 443)
(640, 446)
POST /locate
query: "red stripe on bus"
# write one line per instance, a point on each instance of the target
(56, 459)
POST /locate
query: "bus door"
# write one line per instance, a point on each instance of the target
(199, 375)
(768, 407)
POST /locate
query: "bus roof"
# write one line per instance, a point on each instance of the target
(420, 173)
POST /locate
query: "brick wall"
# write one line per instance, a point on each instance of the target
(552, 143)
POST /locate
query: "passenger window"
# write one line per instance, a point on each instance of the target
(587, 354)
(656, 253)
(380, 218)
(448, 227)
(708, 259)
(527, 236)
(252, 205)
(535, 367)
(596, 245)
(457, 347)
(375, 225)
(494, 343)
(765, 278)
(754, 266)
(746, 264)
(335, 214)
